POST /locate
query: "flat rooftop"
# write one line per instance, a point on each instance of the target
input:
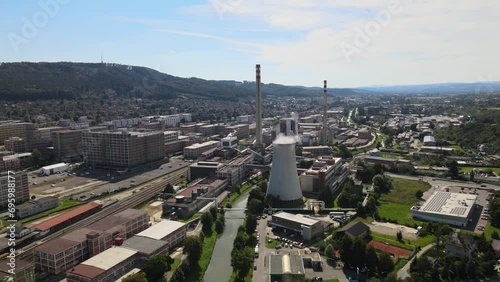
(110, 257)
(161, 229)
(447, 203)
(144, 245)
(199, 145)
(295, 217)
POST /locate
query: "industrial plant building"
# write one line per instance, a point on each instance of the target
(67, 143)
(122, 148)
(169, 231)
(286, 268)
(63, 253)
(235, 171)
(307, 227)
(452, 208)
(37, 206)
(202, 169)
(195, 150)
(21, 192)
(325, 172)
(188, 201)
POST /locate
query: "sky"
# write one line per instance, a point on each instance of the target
(350, 43)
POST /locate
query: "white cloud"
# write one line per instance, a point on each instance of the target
(429, 41)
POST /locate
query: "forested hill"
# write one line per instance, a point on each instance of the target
(64, 80)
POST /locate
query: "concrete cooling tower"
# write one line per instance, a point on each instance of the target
(284, 181)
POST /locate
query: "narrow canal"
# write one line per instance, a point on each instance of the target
(220, 269)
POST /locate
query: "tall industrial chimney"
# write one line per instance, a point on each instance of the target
(258, 126)
(284, 181)
(324, 131)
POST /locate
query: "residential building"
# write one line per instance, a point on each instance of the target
(14, 144)
(21, 191)
(122, 148)
(355, 230)
(37, 206)
(12, 129)
(429, 141)
(195, 150)
(460, 244)
(308, 228)
(68, 143)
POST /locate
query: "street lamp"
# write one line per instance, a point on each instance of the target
(109, 185)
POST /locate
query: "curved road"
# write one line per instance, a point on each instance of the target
(403, 272)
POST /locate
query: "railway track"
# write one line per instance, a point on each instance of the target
(150, 191)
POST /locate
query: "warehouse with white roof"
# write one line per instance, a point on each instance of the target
(451, 208)
(172, 232)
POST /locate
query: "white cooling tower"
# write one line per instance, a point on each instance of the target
(284, 181)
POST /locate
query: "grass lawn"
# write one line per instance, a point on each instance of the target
(194, 216)
(421, 241)
(243, 188)
(175, 264)
(489, 230)
(457, 148)
(399, 264)
(271, 245)
(206, 255)
(396, 204)
(468, 169)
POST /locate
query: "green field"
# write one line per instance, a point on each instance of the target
(206, 255)
(272, 244)
(468, 169)
(396, 204)
(409, 245)
(456, 147)
(399, 264)
(175, 264)
(489, 230)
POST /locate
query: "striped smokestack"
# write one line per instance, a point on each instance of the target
(324, 136)
(258, 126)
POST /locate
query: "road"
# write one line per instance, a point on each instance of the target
(443, 182)
(403, 272)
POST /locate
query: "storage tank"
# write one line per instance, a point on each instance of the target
(284, 181)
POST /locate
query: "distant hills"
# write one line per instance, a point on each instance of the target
(439, 88)
(64, 80)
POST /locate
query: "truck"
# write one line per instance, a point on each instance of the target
(52, 169)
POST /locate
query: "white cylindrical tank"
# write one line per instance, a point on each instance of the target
(284, 181)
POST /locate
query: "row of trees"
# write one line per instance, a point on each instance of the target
(153, 270)
(356, 253)
(213, 217)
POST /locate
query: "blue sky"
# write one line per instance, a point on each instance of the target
(298, 42)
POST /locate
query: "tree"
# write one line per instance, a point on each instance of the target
(169, 189)
(219, 226)
(453, 169)
(37, 158)
(495, 212)
(359, 251)
(242, 261)
(250, 223)
(156, 266)
(193, 247)
(329, 251)
(392, 277)
(33, 197)
(385, 264)
(255, 206)
(213, 213)
(263, 186)
(207, 221)
(136, 277)
(371, 258)
(472, 175)
(494, 235)
(381, 183)
(399, 235)
(419, 194)
(378, 169)
(345, 249)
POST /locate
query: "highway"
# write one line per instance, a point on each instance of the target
(151, 190)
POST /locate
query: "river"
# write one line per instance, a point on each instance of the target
(220, 268)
